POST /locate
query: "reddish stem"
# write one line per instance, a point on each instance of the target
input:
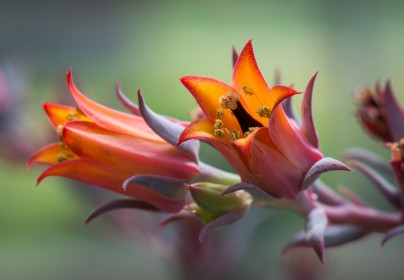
(364, 217)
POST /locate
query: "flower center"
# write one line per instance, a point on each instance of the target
(245, 120)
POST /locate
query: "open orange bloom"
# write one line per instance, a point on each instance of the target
(104, 147)
(247, 124)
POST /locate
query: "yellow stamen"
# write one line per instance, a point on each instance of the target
(219, 113)
(63, 156)
(264, 112)
(219, 133)
(235, 134)
(218, 124)
(250, 130)
(247, 91)
(229, 101)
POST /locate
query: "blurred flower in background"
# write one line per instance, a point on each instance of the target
(18, 134)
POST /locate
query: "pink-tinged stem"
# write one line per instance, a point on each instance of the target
(365, 217)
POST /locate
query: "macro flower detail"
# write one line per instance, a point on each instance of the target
(104, 147)
(247, 125)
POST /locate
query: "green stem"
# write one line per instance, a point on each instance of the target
(215, 175)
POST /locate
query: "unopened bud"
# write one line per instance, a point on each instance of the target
(208, 197)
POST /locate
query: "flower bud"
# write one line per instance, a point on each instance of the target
(208, 197)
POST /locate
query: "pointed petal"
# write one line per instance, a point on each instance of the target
(132, 107)
(308, 127)
(86, 171)
(395, 114)
(248, 76)
(169, 188)
(168, 130)
(130, 154)
(323, 165)
(224, 220)
(252, 189)
(202, 130)
(109, 118)
(48, 155)
(289, 140)
(94, 173)
(207, 93)
(118, 204)
(387, 189)
(392, 233)
(60, 114)
(315, 227)
(280, 93)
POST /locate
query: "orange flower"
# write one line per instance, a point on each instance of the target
(246, 123)
(105, 148)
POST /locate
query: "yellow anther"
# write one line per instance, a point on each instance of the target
(63, 156)
(250, 130)
(219, 133)
(248, 91)
(218, 124)
(78, 115)
(219, 113)
(72, 117)
(229, 100)
(235, 134)
(264, 112)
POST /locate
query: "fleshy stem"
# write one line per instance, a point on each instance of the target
(215, 175)
(365, 217)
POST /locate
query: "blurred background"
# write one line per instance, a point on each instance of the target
(150, 45)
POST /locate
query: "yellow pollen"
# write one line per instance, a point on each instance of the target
(219, 113)
(248, 91)
(78, 115)
(219, 133)
(229, 101)
(264, 112)
(63, 156)
(250, 130)
(235, 134)
(218, 124)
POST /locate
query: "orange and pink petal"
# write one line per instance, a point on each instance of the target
(127, 153)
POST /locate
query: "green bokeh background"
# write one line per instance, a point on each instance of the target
(150, 45)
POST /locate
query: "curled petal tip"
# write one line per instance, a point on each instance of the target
(323, 165)
(252, 189)
(308, 127)
(392, 233)
(167, 187)
(118, 204)
(224, 220)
